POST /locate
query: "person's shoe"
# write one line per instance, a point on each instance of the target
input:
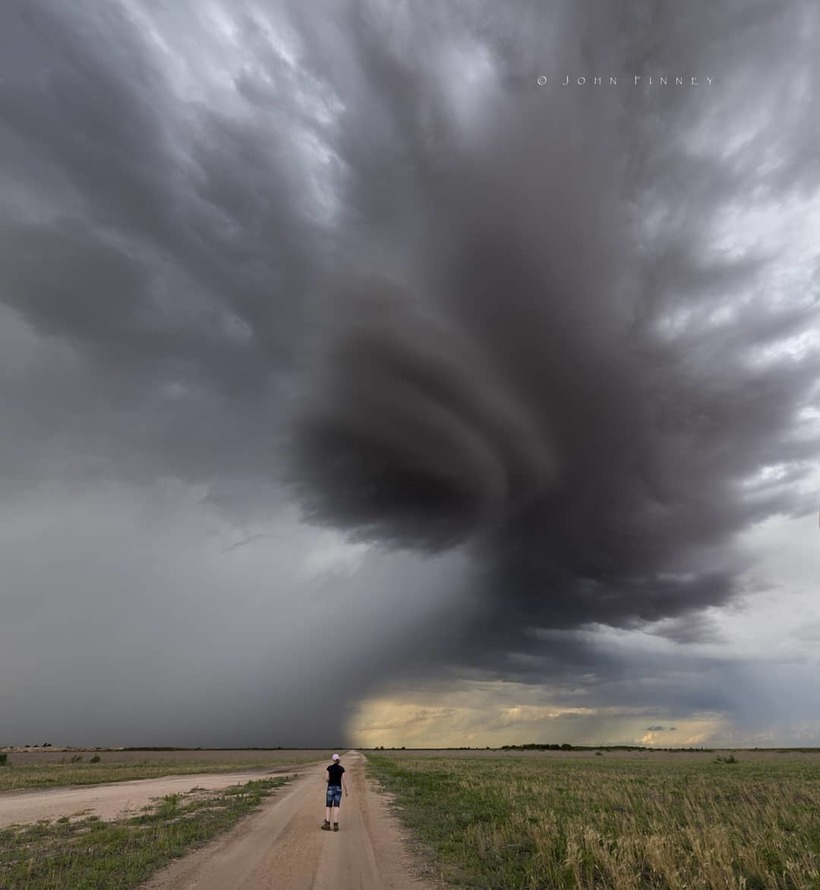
(325, 825)
(335, 826)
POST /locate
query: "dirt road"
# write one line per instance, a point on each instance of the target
(110, 801)
(282, 847)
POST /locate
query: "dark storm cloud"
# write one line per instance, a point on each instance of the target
(480, 313)
(548, 377)
(406, 439)
(164, 242)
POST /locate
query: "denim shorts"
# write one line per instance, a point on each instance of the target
(334, 796)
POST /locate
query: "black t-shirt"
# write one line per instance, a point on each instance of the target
(335, 771)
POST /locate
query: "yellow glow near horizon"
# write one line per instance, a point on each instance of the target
(495, 714)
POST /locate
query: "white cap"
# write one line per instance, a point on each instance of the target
(335, 757)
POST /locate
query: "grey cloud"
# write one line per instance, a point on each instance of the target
(690, 628)
(292, 257)
(402, 436)
(210, 200)
(525, 245)
(809, 632)
(174, 275)
(124, 623)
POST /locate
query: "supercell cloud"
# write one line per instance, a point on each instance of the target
(547, 351)
(574, 359)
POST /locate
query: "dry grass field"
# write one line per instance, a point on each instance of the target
(613, 820)
(90, 853)
(495, 820)
(93, 853)
(52, 768)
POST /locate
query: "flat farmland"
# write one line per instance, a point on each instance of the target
(218, 756)
(619, 820)
(52, 768)
(240, 830)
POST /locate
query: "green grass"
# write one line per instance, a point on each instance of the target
(20, 776)
(92, 854)
(612, 823)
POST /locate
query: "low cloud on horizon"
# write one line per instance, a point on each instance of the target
(358, 391)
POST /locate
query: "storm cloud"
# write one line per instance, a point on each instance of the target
(568, 364)
(371, 289)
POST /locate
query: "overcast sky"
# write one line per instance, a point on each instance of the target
(409, 374)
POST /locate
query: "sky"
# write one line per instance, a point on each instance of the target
(409, 374)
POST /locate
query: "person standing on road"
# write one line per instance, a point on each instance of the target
(333, 798)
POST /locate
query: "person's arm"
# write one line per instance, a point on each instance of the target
(344, 785)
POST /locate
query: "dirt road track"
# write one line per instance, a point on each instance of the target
(282, 847)
(109, 801)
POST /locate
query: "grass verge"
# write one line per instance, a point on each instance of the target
(92, 854)
(19, 777)
(605, 823)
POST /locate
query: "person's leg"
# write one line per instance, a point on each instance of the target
(328, 802)
(337, 800)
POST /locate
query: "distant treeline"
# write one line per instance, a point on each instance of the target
(533, 746)
(565, 747)
(172, 748)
